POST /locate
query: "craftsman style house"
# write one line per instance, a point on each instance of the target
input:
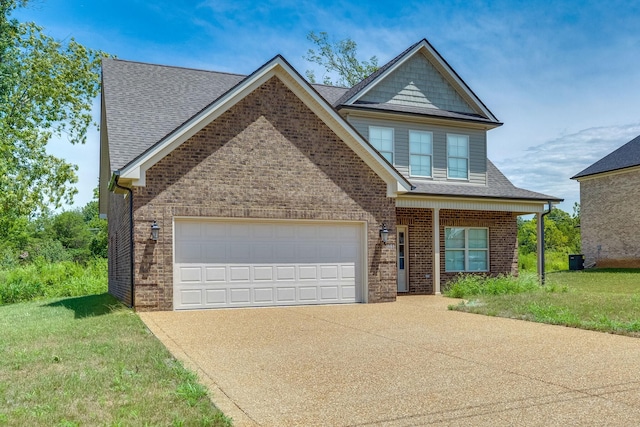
(609, 206)
(226, 190)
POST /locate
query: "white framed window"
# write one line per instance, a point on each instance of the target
(420, 153)
(466, 249)
(457, 156)
(382, 140)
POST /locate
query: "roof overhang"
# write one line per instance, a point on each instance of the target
(519, 206)
(606, 174)
(400, 116)
(135, 172)
(432, 55)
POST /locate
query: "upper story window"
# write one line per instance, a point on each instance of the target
(420, 153)
(382, 140)
(466, 249)
(457, 156)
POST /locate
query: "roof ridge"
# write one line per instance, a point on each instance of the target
(174, 67)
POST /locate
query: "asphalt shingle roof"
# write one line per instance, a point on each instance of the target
(146, 102)
(626, 156)
(498, 187)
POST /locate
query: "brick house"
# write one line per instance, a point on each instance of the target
(609, 206)
(267, 190)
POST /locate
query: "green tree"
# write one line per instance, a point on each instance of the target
(46, 90)
(338, 57)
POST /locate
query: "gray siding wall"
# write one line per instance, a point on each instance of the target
(418, 83)
(477, 147)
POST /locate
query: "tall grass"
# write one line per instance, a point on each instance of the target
(554, 261)
(470, 285)
(46, 280)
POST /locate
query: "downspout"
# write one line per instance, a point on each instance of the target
(114, 183)
(542, 270)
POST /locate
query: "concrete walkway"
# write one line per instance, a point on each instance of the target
(408, 363)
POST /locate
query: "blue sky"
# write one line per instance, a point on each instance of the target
(563, 76)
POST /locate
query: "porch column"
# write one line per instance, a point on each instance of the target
(436, 251)
(540, 247)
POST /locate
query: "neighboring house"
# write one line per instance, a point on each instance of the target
(268, 190)
(609, 207)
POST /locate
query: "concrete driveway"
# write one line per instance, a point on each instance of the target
(407, 363)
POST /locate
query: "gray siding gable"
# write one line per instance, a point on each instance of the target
(416, 82)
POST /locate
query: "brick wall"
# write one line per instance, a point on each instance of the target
(269, 156)
(419, 224)
(503, 254)
(609, 220)
(503, 239)
(119, 248)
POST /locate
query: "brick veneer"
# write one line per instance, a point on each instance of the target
(609, 220)
(269, 156)
(419, 224)
(119, 248)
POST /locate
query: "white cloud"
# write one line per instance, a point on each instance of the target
(548, 167)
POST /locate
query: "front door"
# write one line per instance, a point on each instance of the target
(402, 258)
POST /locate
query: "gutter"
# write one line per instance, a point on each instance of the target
(113, 183)
(542, 272)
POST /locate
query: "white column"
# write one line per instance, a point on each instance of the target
(436, 251)
(540, 249)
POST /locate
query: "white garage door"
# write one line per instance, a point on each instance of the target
(241, 263)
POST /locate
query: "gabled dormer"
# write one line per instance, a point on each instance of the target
(422, 117)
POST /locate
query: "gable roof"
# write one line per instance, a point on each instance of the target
(624, 157)
(352, 97)
(145, 119)
(498, 187)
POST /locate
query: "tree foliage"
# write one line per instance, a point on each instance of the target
(47, 88)
(338, 57)
(562, 232)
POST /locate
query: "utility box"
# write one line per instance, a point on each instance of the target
(576, 262)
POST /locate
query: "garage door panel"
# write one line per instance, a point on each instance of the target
(286, 295)
(240, 296)
(307, 272)
(348, 293)
(263, 273)
(263, 295)
(239, 273)
(234, 264)
(215, 274)
(191, 297)
(328, 272)
(216, 297)
(307, 293)
(347, 272)
(329, 293)
(285, 273)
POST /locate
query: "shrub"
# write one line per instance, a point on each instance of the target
(466, 285)
(60, 279)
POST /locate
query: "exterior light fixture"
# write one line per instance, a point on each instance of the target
(384, 233)
(155, 230)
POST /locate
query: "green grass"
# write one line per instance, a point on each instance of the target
(606, 300)
(47, 280)
(91, 361)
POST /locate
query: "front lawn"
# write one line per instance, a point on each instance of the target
(606, 300)
(91, 361)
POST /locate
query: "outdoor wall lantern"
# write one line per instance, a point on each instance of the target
(155, 230)
(384, 233)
